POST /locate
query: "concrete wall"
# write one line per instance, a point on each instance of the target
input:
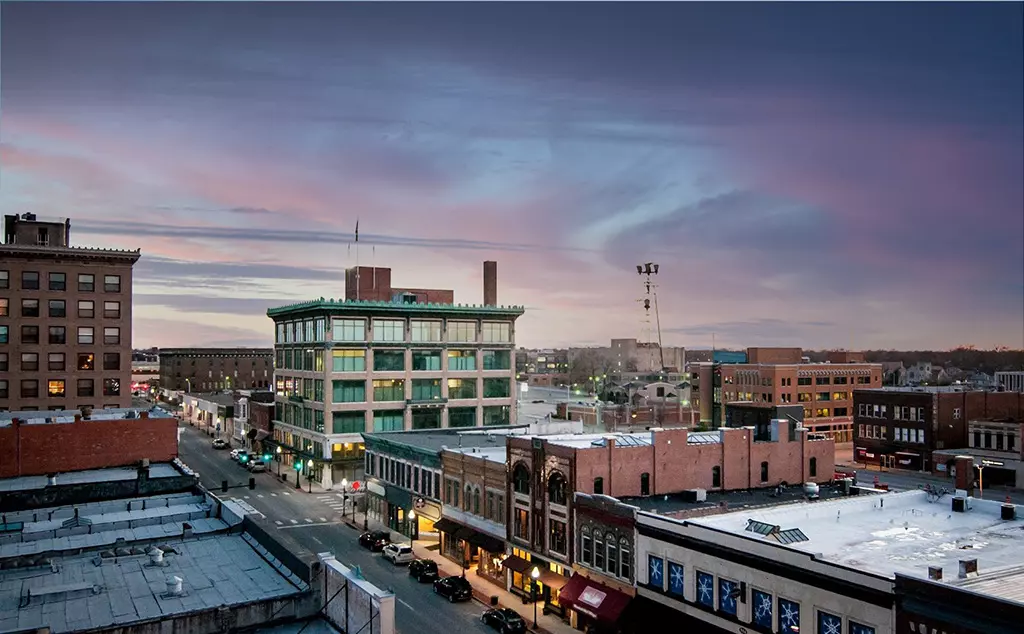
(71, 494)
(40, 449)
(358, 605)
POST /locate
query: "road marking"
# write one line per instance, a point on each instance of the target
(246, 496)
(323, 519)
(259, 495)
(311, 524)
(278, 522)
(287, 493)
(294, 521)
(273, 495)
(407, 605)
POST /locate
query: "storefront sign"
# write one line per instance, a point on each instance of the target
(592, 597)
(375, 489)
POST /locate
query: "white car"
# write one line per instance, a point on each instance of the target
(398, 554)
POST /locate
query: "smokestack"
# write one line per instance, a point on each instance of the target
(490, 283)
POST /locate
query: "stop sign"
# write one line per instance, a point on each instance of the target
(355, 485)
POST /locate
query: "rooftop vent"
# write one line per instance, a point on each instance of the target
(174, 587)
(76, 521)
(935, 573)
(968, 568)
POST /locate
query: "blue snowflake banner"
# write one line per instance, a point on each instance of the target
(655, 571)
(789, 616)
(726, 602)
(762, 607)
(675, 579)
(857, 628)
(705, 589)
(829, 623)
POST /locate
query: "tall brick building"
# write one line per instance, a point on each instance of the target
(215, 369)
(65, 319)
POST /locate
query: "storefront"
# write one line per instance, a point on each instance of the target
(472, 549)
(593, 606)
(376, 504)
(551, 578)
(427, 515)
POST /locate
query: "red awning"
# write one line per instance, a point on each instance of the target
(594, 599)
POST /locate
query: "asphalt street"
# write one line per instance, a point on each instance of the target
(315, 522)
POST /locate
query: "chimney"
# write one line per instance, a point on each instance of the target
(490, 283)
(968, 568)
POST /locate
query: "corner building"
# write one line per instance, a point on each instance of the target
(65, 319)
(343, 368)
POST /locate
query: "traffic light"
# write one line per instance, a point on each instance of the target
(266, 457)
(298, 465)
(245, 459)
(224, 486)
(252, 483)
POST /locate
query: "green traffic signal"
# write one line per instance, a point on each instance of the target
(245, 459)
(266, 457)
(298, 466)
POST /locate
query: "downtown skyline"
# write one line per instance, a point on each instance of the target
(816, 175)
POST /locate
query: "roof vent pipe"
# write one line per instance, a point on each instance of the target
(156, 557)
(174, 585)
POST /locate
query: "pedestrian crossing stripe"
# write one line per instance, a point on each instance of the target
(294, 521)
(323, 519)
(309, 520)
(278, 522)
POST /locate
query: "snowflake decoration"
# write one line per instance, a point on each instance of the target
(676, 577)
(656, 571)
(725, 596)
(705, 589)
(764, 606)
(790, 614)
(832, 625)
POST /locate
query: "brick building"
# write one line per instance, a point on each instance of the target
(65, 319)
(783, 376)
(40, 443)
(544, 470)
(472, 524)
(215, 369)
(901, 427)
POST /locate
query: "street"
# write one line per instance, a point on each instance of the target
(314, 521)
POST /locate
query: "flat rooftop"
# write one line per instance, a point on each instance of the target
(895, 532)
(454, 438)
(923, 389)
(218, 398)
(93, 476)
(34, 417)
(676, 504)
(341, 306)
(492, 454)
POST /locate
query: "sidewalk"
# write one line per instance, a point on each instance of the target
(483, 589)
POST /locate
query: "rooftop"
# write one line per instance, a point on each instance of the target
(491, 454)
(435, 440)
(34, 417)
(219, 398)
(94, 476)
(363, 306)
(925, 389)
(677, 504)
(896, 532)
(37, 250)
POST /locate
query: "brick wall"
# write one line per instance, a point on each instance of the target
(39, 449)
(774, 355)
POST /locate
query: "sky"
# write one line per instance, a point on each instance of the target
(831, 175)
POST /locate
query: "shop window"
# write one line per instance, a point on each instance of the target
(675, 579)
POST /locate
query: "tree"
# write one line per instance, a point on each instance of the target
(587, 362)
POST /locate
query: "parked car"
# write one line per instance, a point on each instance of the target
(423, 570)
(243, 457)
(398, 554)
(505, 620)
(234, 453)
(454, 589)
(257, 466)
(220, 443)
(375, 540)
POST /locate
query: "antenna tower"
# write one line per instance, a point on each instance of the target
(647, 270)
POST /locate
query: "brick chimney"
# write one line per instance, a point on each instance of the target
(490, 283)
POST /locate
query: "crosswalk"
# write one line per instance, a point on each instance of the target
(336, 502)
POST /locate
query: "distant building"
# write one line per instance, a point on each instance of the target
(1010, 381)
(213, 413)
(65, 319)
(216, 369)
(629, 355)
(354, 366)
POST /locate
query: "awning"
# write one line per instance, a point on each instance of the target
(464, 533)
(445, 525)
(908, 453)
(594, 599)
(516, 564)
(552, 580)
(486, 543)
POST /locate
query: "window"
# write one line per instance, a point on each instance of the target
(599, 551)
(612, 560)
(858, 628)
(716, 477)
(493, 332)
(5, 307)
(111, 336)
(804, 380)
(821, 380)
(86, 282)
(348, 423)
(86, 361)
(599, 486)
(5, 334)
(956, 413)
(111, 360)
(461, 388)
(388, 390)
(85, 387)
(728, 593)
(86, 308)
(705, 589)
(388, 360)
(29, 388)
(348, 330)
(29, 362)
(426, 360)
(392, 420)
(348, 391)
(57, 334)
(426, 389)
(521, 479)
(111, 387)
(112, 310)
(388, 330)
(557, 489)
(789, 615)
(497, 388)
(55, 388)
(4, 363)
(520, 525)
(58, 281)
(645, 483)
(761, 609)
(461, 416)
(476, 501)
(4, 389)
(462, 360)
(30, 334)
(764, 472)
(422, 331)
(348, 360)
(496, 415)
(5, 279)
(625, 560)
(586, 547)
(55, 362)
(675, 579)
(497, 360)
(112, 283)
(462, 331)
(30, 280)
(829, 623)
(814, 467)
(30, 308)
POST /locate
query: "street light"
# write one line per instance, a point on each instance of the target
(344, 500)
(535, 575)
(279, 461)
(411, 517)
(309, 474)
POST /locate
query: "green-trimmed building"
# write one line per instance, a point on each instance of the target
(347, 367)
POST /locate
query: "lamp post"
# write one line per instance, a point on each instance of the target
(298, 474)
(534, 576)
(411, 517)
(344, 499)
(279, 461)
(309, 474)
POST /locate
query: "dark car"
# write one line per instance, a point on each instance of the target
(505, 620)
(423, 570)
(454, 589)
(375, 540)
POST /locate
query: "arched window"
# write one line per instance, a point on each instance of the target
(814, 467)
(764, 472)
(476, 501)
(586, 546)
(613, 554)
(557, 487)
(521, 479)
(625, 559)
(645, 483)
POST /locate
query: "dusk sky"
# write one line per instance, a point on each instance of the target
(816, 175)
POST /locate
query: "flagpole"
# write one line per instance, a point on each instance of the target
(357, 260)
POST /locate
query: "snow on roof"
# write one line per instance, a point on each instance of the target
(893, 533)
